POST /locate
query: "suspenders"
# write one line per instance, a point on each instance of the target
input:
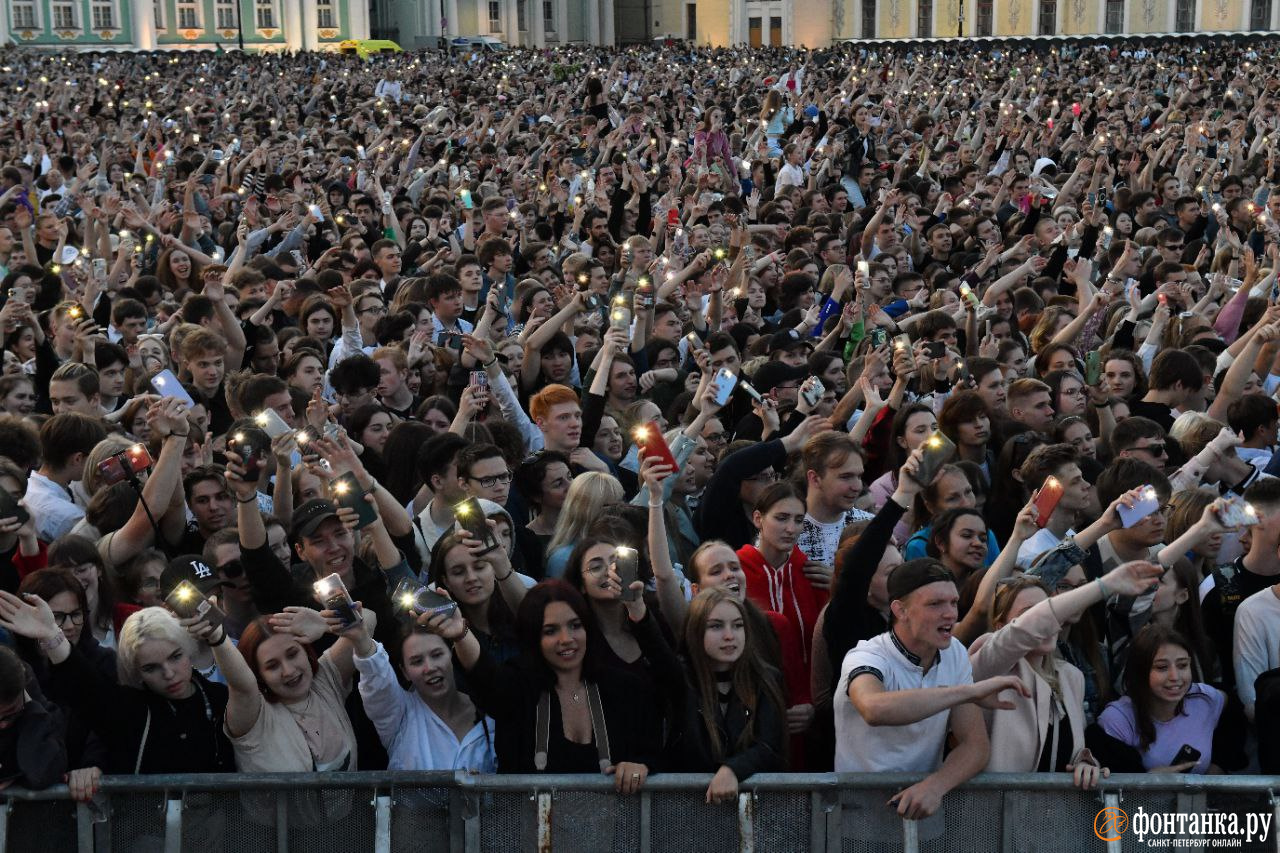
(543, 730)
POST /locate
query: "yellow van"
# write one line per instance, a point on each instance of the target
(368, 47)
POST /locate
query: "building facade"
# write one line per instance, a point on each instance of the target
(178, 24)
(524, 23)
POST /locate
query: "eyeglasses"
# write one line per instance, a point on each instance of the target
(60, 618)
(496, 479)
(1155, 449)
(766, 476)
(376, 310)
(715, 437)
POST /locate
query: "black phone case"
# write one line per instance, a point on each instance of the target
(353, 498)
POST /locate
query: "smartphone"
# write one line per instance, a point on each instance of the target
(333, 592)
(297, 258)
(1146, 504)
(879, 337)
(651, 443)
(725, 381)
(420, 599)
(673, 216)
(346, 492)
(471, 518)
(1234, 512)
(902, 342)
(316, 213)
(966, 292)
(1092, 368)
(936, 349)
(1187, 753)
(938, 451)
(100, 268)
(252, 446)
(694, 342)
(167, 385)
(271, 422)
(466, 200)
(10, 508)
(189, 602)
(216, 155)
(121, 466)
(480, 379)
(751, 391)
(451, 340)
(1047, 500)
(812, 391)
(626, 562)
(620, 317)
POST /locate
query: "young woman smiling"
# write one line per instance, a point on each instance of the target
(485, 586)
(558, 708)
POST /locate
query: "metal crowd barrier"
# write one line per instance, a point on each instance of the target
(459, 813)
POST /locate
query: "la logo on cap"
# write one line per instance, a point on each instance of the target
(202, 571)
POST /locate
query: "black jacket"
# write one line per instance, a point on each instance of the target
(720, 514)
(692, 751)
(183, 735)
(33, 753)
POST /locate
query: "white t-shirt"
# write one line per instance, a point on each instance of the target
(1042, 540)
(1257, 640)
(820, 540)
(916, 748)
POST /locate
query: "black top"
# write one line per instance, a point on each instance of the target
(720, 512)
(184, 735)
(510, 692)
(692, 751)
(32, 751)
(1158, 412)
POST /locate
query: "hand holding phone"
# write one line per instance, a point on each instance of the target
(1148, 502)
(1047, 500)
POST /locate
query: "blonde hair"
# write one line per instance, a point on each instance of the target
(588, 496)
(149, 623)
(103, 450)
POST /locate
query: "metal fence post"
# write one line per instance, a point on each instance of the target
(173, 825)
(544, 822)
(910, 836)
(84, 828)
(746, 822)
(645, 805)
(4, 825)
(382, 823)
(1111, 800)
(282, 822)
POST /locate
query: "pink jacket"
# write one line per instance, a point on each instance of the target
(1018, 735)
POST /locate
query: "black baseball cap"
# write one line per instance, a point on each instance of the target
(771, 374)
(788, 340)
(309, 516)
(193, 568)
(913, 574)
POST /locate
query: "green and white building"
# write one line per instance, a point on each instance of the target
(183, 24)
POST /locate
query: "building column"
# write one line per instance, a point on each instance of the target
(358, 18)
(310, 23)
(451, 10)
(142, 16)
(561, 12)
(291, 21)
(533, 17)
(608, 28)
(592, 33)
(511, 22)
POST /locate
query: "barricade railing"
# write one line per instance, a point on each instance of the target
(450, 812)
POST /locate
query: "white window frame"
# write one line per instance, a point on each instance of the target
(269, 6)
(197, 14)
(30, 6)
(323, 8)
(549, 17)
(495, 16)
(110, 7)
(158, 16)
(224, 14)
(59, 5)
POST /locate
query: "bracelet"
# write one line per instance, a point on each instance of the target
(252, 499)
(1105, 405)
(504, 577)
(653, 505)
(491, 362)
(180, 434)
(221, 641)
(466, 629)
(1105, 595)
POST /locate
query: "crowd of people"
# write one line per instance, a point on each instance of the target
(638, 410)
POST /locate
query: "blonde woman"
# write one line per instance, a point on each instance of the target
(1044, 731)
(589, 495)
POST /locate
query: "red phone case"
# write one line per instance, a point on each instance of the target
(1047, 501)
(651, 443)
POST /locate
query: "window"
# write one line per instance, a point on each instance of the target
(224, 15)
(266, 15)
(1260, 15)
(548, 17)
(188, 16)
(24, 16)
(324, 14)
(104, 15)
(64, 16)
(983, 17)
(520, 22)
(157, 9)
(495, 16)
(755, 27)
(1048, 17)
(924, 19)
(691, 21)
(868, 19)
(1115, 16)
(1184, 20)
(775, 32)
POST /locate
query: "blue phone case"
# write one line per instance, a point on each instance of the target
(1141, 509)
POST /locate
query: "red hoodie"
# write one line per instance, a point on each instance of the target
(785, 590)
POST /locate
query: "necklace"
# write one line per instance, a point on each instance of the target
(574, 695)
